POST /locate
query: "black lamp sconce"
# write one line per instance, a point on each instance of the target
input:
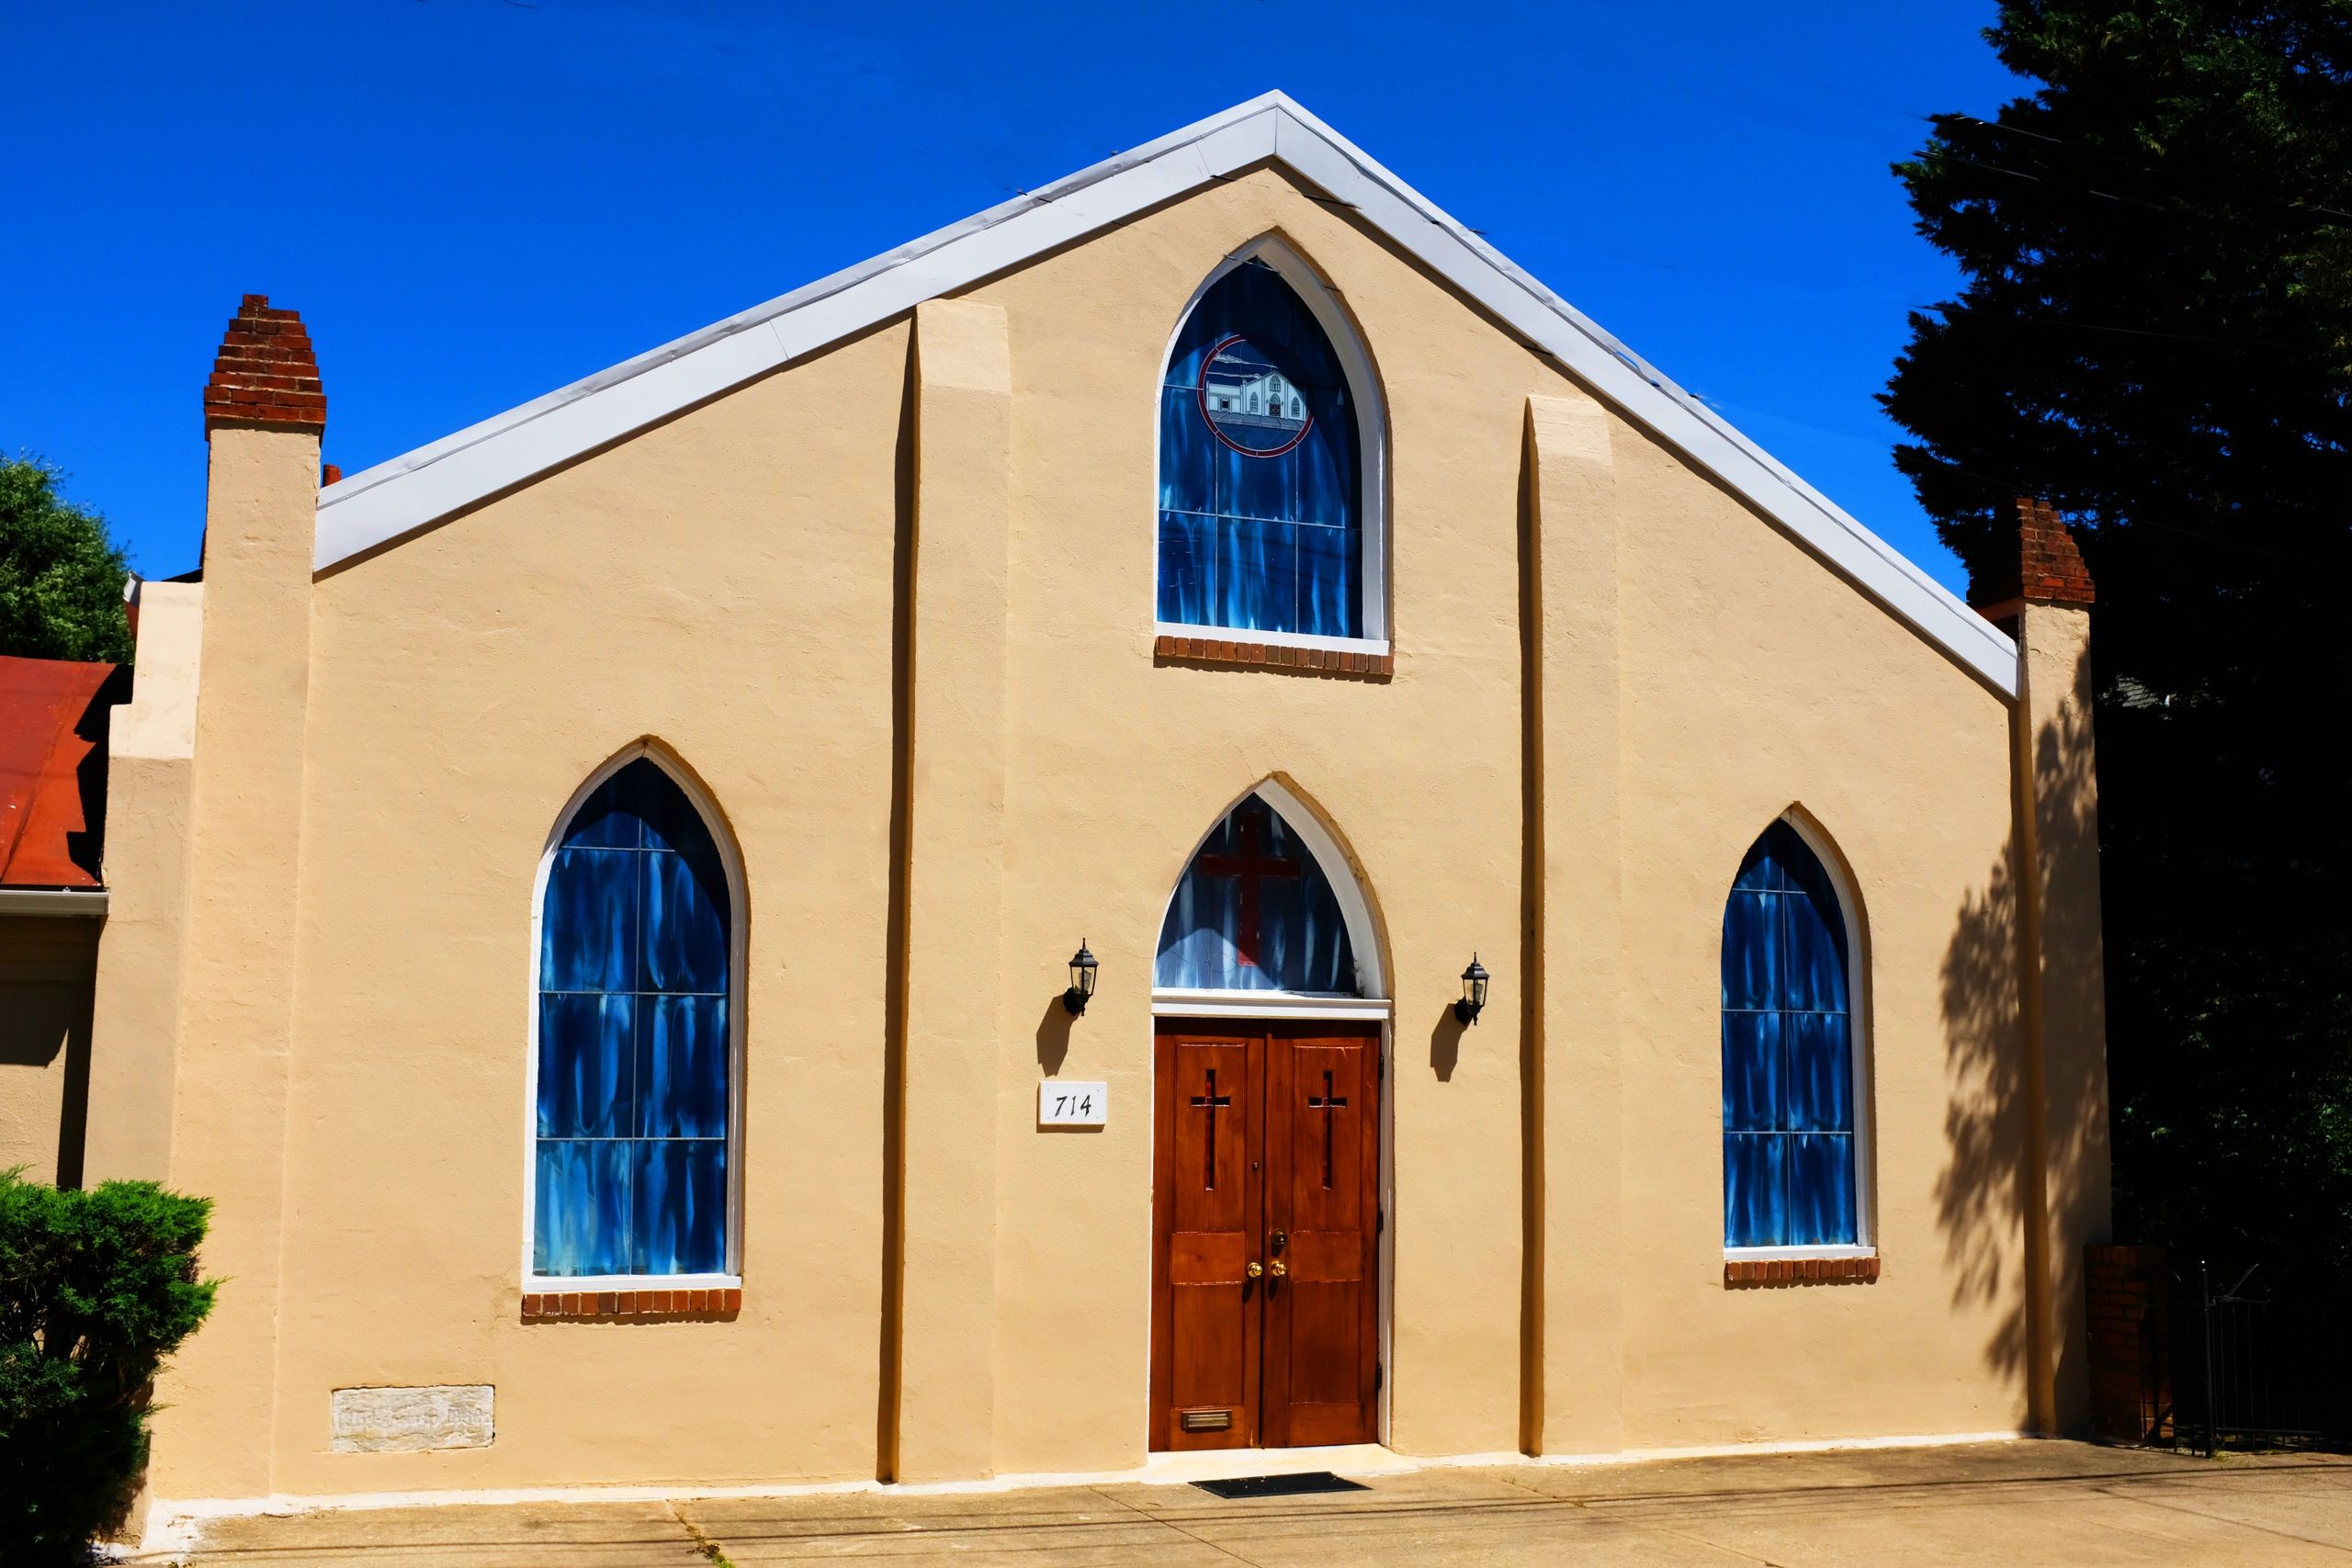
(1081, 980)
(1473, 992)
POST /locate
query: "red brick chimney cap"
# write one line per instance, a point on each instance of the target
(266, 376)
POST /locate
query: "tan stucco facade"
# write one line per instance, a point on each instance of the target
(891, 606)
(47, 965)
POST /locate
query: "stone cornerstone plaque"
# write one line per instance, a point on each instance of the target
(412, 1420)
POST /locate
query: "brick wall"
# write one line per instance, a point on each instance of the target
(2130, 1292)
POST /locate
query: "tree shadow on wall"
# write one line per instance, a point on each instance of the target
(1990, 1196)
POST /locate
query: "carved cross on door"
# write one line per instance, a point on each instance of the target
(1212, 1102)
(1327, 1103)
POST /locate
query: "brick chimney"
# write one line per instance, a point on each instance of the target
(2046, 570)
(265, 377)
(232, 1044)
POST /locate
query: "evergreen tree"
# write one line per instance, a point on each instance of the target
(2157, 334)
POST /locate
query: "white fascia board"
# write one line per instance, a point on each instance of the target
(379, 505)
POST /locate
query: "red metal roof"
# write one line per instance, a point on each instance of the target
(52, 770)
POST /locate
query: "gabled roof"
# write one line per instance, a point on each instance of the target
(52, 770)
(374, 507)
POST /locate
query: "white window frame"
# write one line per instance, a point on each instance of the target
(730, 858)
(1372, 435)
(1850, 903)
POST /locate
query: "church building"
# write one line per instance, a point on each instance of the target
(1187, 814)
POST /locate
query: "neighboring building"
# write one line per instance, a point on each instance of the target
(54, 719)
(593, 897)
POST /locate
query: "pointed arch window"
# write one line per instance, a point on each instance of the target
(636, 1058)
(1791, 1139)
(1255, 912)
(1270, 449)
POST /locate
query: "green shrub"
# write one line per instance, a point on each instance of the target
(95, 1288)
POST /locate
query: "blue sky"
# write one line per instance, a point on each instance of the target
(473, 202)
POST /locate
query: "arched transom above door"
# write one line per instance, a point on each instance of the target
(1267, 905)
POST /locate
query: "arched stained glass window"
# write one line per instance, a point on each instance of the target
(636, 1061)
(1790, 1161)
(1261, 471)
(1254, 912)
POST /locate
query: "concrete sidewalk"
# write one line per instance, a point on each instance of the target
(2066, 1504)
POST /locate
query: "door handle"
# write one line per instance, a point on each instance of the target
(1281, 1239)
(1277, 1268)
(1256, 1269)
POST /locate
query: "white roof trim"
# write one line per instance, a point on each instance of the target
(376, 506)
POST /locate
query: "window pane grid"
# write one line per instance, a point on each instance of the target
(1788, 1156)
(635, 1045)
(1258, 511)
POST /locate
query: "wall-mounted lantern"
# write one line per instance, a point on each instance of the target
(1473, 992)
(1081, 980)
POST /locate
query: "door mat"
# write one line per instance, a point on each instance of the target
(1280, 1485)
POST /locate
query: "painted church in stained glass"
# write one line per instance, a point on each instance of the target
(1191, 816)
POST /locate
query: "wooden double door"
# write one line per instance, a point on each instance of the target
(1265, 1322)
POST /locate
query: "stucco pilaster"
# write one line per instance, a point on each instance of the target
(954, 1014)
(236, 1030)
(2066, 984)
(1575, 1400)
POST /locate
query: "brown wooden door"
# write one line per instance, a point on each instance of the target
(1322, 1329)
(1266, 1149)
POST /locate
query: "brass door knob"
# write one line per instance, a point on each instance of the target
(1278, 1267)
(1256, 1269)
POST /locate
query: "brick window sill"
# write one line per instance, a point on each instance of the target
(546, 1306)
(1335, 661)
(1744, 1273)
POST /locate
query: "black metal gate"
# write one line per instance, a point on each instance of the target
(2266, 1366)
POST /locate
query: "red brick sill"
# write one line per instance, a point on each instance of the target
(548, 1306)
(1274, 656)
(1747, 1272)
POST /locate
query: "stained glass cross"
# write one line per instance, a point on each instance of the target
(1250, 867)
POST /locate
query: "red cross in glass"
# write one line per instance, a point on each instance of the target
(1251, 867)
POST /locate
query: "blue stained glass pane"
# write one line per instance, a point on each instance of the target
(1257, 486)
(1821, 1188)
(586, 1043)
(582, 1221)
(679, 1222)
(1759, 872)
(1814, 969)
(1327, 582)
(685, 923)
(681, 1067)
(1753, 1060)
(1751, 951)
(606, 819)
(1185, 568)
(1187, 468)
(1821, 1072)
(1257, 575)
(1754, 1189)
(588, 931)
